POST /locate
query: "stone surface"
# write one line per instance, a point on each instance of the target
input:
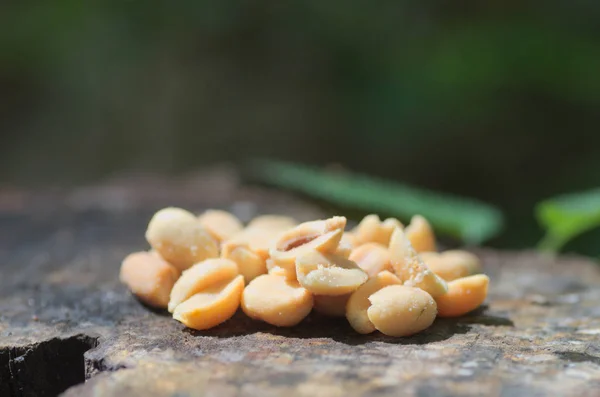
(65, 319)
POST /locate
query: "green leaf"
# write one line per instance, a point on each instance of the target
(566, 217)
(466, 219)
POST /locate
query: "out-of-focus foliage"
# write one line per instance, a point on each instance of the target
(469, 220)
(494, 100)
(566, 217)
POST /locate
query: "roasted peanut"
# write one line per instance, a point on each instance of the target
(451, 265)
(180, 239)
(276, 300)
(372, 258)
(212, 306)
(271, 223)
(200, 277)
(345, 246)
(420, 234)
(409, 267)
(328, 274)
(149, 277)
(220, 224)
(358, 303)
(372, 230)
(464, 295)
(327, 243)
(331, 305)
(399, 310)
(262, 233)
(250, 264)
(308, 231)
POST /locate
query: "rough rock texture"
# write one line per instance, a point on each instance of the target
(65, 319)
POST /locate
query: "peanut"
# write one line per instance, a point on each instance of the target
(464, 295)
(200, 277)
(399, 310)
(409, 267)
(250, 264)
(328, 274)
(326, 243)
(180, 239)
(372, 230)
(420, 234)
(358, 303)
(451, 265)
(308, 231)
(212, 306)
(276, 300)
(345, 246)
(372, 258)
(271, 223)
(149, 277)
(331, 305)
(220, 224)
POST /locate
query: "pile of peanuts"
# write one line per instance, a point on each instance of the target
(380, 275)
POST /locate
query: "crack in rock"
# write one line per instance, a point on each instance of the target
(44, 369)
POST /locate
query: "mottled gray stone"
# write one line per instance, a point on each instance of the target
(64, 317)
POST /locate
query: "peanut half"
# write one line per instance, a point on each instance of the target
(276, 300)
(179, 238)
(358, 304)
(453, 264)
(331, 305)
(464, 295)
(200, 277)
(212, 306)
(308, 231)
(286, 260)
(149, 277)
(399, 310)
(373, 258)
(250, 264)
(271, 223)
(372, 230)
(420, 234)
(328, 274)
(222, 225)
(409, 267)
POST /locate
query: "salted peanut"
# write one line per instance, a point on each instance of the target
(250, 264)
(399, 310)
(358, 304)
(328, 274)
(373, 258)
(308, 231)
(222, 225)
(212, 306)
(331, 305)
(372, 230)
(200, 277)
(149, 277)
(180, 239)
(464, 295)
(327, 243)
(345, 246)
(409, 267)
(451, 265)
(276, 300)
(273, 223)
(420, 234)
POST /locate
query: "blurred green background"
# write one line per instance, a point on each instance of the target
(494, 100)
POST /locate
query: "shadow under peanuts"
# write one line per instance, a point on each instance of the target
(317, 326)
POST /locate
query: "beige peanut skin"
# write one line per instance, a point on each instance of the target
(149, 277)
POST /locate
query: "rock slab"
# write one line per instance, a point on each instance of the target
(68, 326)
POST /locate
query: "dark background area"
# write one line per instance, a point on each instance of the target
(495, 100)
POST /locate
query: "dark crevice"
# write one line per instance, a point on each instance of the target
(44, 369)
